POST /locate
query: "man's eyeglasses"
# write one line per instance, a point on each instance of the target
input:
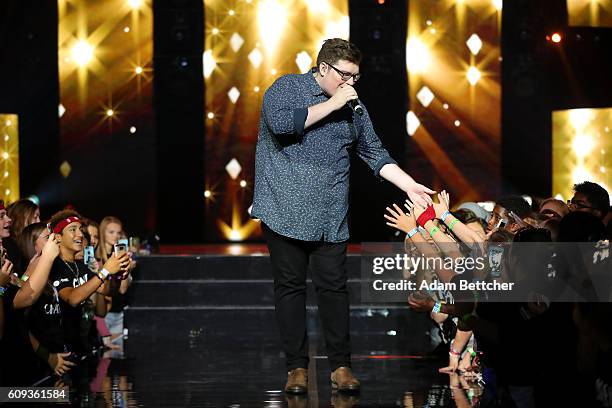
(345, 76)
(572, 203)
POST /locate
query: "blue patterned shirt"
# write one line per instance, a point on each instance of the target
(302, 176)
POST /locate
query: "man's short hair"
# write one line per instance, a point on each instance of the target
(336, 49)
(516, 204)
(596, 194)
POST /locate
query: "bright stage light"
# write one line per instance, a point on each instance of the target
(210, 115)
(61, 110)
(82, 53)
(457, 123)
(579, 118)
(417, 56)
(135, 4)
(209, 63)
(425, 96)
(303, 61)
(9, 122)
(34, 199)
(556, 38)
(474, 43)
(582, 145)
(233, 168)
(580, 175)
(236, 42)
(138, 70)
(207, 194)
(412, 123)
(272, 17)
(473, 75)
(110, 113)
(318, 6)
(215, 31)
(255, 57)
(233, 94)
(498, 4)
(5, 155)
(243, 183)
(133, 129)
(235, 235)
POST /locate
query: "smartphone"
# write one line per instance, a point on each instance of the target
(501, 223)
(120, 248)
(88, 254)
(496, 254)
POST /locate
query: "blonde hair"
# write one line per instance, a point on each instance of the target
(101, 251)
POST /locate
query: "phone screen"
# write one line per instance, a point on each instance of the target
(120, 248)
(88, 255)
(495, 259)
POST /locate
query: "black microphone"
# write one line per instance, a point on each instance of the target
(355, 106)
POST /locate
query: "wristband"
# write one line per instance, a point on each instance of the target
(433, 231)
(471, 352)
(428, 215)
(24, 278)
(423, 232)
(452, 224)
(446, 214)
(103, 274)
(42, 352)
(453, 351)
(437, 307)
(412, 232)
(2, 290)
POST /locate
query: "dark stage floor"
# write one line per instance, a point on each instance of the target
(202, 333)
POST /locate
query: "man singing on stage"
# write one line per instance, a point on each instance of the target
(308, 124)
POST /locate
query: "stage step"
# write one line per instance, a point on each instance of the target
(198, 303)
(241, 267)
(218, 282)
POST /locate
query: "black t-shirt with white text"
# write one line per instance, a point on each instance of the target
(44, 320)
(71, 275)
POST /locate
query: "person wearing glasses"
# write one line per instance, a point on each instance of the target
(301, 196)
(590, 197)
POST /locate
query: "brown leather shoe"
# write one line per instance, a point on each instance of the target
(343, 380)
(297, 381)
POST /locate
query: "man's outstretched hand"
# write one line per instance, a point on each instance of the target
(419, 194)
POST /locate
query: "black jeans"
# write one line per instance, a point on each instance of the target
(291, 259)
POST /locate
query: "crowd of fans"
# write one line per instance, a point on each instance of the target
(535, 351)
(62, 289)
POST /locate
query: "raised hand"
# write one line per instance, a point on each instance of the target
(51, 248)
(399, 220)
(442, 205)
